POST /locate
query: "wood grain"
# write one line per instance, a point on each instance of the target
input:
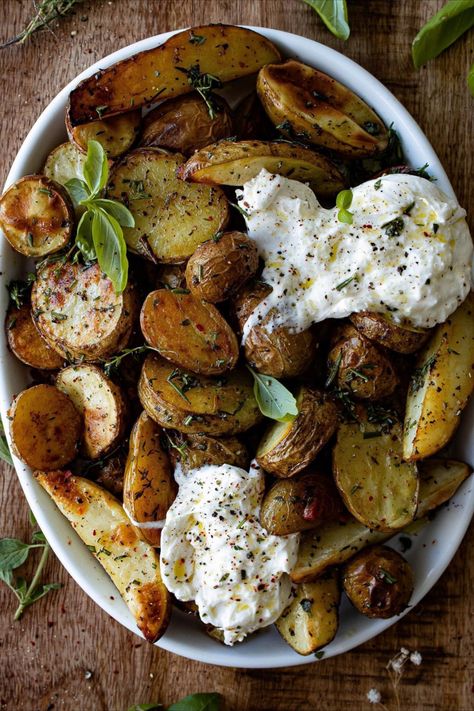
(45, 656)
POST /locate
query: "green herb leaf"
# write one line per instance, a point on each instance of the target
(334, 15)
(198, 702)
(387, 577)
(78, 190)
(96, 167)
(13, 553)
(4, 448)
(470, 80)
(110, 248)
(444, 28)
(343, 202)
(145, 707)
(19, 289)
(121, 213)
(274, 400)
(84, 239)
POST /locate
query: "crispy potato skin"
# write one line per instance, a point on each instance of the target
(110, 473)
(227, 52)
(319, 109)
(299, 504)
(79, 314)
(63, 163)
(288, 447)
(116, 134)
(36, 216)
(278, 353)
(183, 124)
(379, 582)
(363, 369)
(218, 268)
(193, 451)
(45, 427)
(189, 332)
(388, 334)
(26, 342)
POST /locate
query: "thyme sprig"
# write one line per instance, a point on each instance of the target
(111, 365)
(204, 84)
(47, 11)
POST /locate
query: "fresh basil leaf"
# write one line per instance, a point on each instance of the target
(41, 591)
(21, 588)
(7, 577)
(5, 450)
(453, 20)
(96, 167)
(274, 400)
(110, 248)
(121, 213)
(198, 702)
(470, 80)
(334, 15)
(78, 190)
(145, 707)
(32, 518)
(13, 553)
(38, 537)
(84, 240)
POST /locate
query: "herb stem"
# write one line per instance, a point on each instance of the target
(35, 582)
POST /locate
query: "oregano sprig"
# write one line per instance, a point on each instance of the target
(274, 400)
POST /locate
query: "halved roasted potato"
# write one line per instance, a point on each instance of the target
(441, 385)
(288, 447)
(378, 487)
(109, 472)
(189, 332)
(250, 120)
(171, 217)
(101, 404)
(312, 618)
(64, 163)
(36, 216)
(132, 563)
(116, 134)
(335, 542)
(226, 52)
(379, 328)
(217, 406)
(184, 125)
(45, 427)
(304, 103)
(149, 488)
(26, 342)
(78, 312)
(194, 451)
(218, 268)
(236, 162)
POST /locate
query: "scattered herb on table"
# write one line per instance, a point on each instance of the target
(46, 12)
(193, 702)
(334, 15)
(4, 448)
(274, 400)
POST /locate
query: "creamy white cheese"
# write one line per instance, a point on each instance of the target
(214, 551)
(418, 269)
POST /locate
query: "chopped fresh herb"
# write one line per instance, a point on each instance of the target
(409, 208)
(100, 110)
(345, 283)
(353, 373)
(113, 363)
(387, 577)
(224, 577)
(334, 370)
(378, 184)
(19, 290)
(204, 85)
(239, 209)
(320, 654)
(45, 191)
(419, 374)
(217, 236)
(394, 228)
(180, 290)
(196, 39)
(355, 488)
(56, 317)
(381, 415)
(182, 382)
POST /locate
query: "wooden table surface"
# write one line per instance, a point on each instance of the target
(47, 656)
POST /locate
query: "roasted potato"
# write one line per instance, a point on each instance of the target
(189, 332)
(441, 385)
(379, 582)
(149, 488)
(109, 472)
(45, 427)
(171, 217)
(362, 368)
(299, 504)
(171, 276)
(217, 406)
(278, 353)
(218, 268)
(194, 451)
(64, 163)
(36, 216)
(379, 328)
(78, 312)
(304, 103)
(236, 162)
(225, 52)
(26, 342)
(132, 563)
(334, 543)
(288, 447)
(378, 487)
(250, 120)
(312, 618)
(184, 125)
(100, 403)
(116, 134)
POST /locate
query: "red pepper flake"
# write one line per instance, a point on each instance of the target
(200, 327)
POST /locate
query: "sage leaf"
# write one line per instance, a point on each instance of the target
(84, 239)
(334, 15)
(121, 213)
(470, 80)
(110, 248)
(78, 190)
(198, 702)
(7, 577)
(454, 19)
(13, 553)
(96, 167)
(274, 400)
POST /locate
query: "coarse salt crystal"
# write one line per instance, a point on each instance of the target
(416, 658)
(374, 696)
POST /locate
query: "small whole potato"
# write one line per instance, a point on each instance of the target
(379, 582)
(378, 328)
(219, 267)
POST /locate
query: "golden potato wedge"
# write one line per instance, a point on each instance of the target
(64, 163)
(26, 342)
(236, 162)
(379, 328)
(217, 406)
(288, 447)
(189, 332)
(311, 620)
(378, 487)
(78, 312)
(100, 403)
(36, 216)
(45, 427)
(224, 51)
(334, 543)
(116, 134)
(183, 124)
(171, 217)
(218, 268)
(133, 564)
(441, 385)
(304, 103)
(194, 451)
(149, 488)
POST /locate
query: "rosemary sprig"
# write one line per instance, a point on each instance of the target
(204, 85)
(47, 11)
(111, 365)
